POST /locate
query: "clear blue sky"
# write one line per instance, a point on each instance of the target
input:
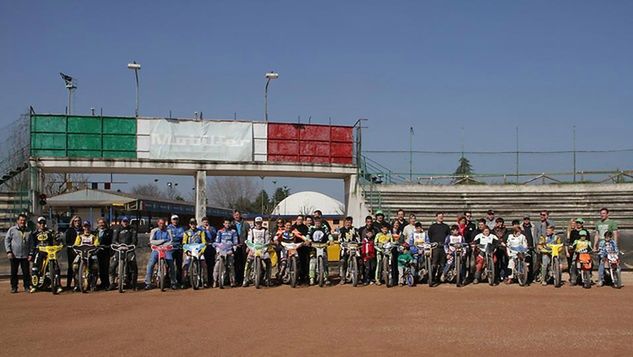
(487, 66)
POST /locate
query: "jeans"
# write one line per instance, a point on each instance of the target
(545, 260)
(177, 254)
(370, 267)
(153, 259)
(23, 264)
(230, 261)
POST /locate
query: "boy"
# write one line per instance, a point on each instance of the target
(404, 259)
(368, 253)
(347, 234)
(453, 238)
(257, 235)
(195, 235)
(546, 252)
(86, 238)
(381, 238)
(482, 243)
(516, 243)
(606, 246)
(318, 233)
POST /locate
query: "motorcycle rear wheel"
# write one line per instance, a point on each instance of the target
(293, 271)
(491, 270)
(221, 272)
(556, 272)
(257, 272)
(121, 277)
(354, 271)
(194, 274)
(162, 272)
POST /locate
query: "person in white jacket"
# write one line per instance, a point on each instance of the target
(257, 235)
(516, 243)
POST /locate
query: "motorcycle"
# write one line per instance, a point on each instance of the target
(353, 262)
(194, 252)
(86, 277)
(50, 266)
(258, 251)
(223, 251)
(583, 264)
(125, 253)
(321, 262)
(389, 249)
(456, 272)
(488, 272)
(612, 269)
(290, 263)
(555, 270)
(520, 270)
(160, 273)
(426, 266)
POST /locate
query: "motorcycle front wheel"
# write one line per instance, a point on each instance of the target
(293, 271)
(257, 272)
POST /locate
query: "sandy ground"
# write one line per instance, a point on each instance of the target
(336, 320)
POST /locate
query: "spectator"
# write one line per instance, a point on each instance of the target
(209, 254)
(604, 225)
(242, 228)
(502, 234)
(70, 235)
(319, 215)
(490, 219)
(369, 227)
(380, 221)
(409, 229)
(400, 219)
(437, 233)
(18, 243)
(471, 227)
(104, 233)
(177, 233)
(541, 228)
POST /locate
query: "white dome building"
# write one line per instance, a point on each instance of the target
(306, 202)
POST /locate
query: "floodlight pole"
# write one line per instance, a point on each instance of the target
(135, 67)
(270, 75)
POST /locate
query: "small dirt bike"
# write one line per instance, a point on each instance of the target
(353, 262)
(125, 254)
(612, 269)
(224, 253)
(321, 262)
(290, 263)
(86, 277)
(260, 269)
(583, 264)
(426, 268)
(555, 270)
(520, 270)
(456, 272)
(49, 268)
(487, 251)
(160, 274)
(195, 272)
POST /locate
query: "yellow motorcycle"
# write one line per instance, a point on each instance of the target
(49, 271)
(555, 270)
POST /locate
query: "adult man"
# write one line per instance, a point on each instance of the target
(369, 226)
(177, 234)
(318, 214)
(160, 236)
(257, 235)
(42, 237)
(604, 225)
(124, 234)
(209, 254)
(241, 228)
(437, 233)
(18, 243)
(529, 231)
(227, 236)
(502, 234)
(400, 220)
(541, 231)
(380, 221)
(409, 229)
(471, 227)
(490, 219)
(69, 239)
(303, 251)
(105, 239)
(347, 234)
(318, 233)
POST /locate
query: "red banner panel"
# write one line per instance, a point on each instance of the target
(311, 143)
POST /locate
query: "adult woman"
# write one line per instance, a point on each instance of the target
(71, 234)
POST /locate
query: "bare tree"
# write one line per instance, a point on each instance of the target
(232, 192)
(56, 184)
(148, 190)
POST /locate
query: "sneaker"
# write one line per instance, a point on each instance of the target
(14, 290)
(365, 283)
(311, 281)
(76, 289)
(58, 290)
(343, 282)
(215, 284)
(147, 287)
(328, 283)
(600, 284)
(174, 287)
(245, 285)
(378, 283)
(476, 281)
(33, 289)
(544, 283)
(372, 283)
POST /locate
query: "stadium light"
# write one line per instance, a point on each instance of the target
(269, 76)
(135, 67)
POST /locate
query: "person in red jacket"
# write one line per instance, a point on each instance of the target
(368, 253)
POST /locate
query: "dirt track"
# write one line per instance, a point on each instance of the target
(314, 321)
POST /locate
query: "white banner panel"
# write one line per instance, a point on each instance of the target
(204, 140)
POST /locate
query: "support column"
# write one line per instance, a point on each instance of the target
(36, 185)
(354, 202)
(201, 195)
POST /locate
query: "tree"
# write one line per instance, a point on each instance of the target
(262, 203)
(232, 192)
(56, 184)
(280, 194)
(463, 173)
(148, 190)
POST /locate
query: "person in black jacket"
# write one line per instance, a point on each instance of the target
(124, 234)
(70, 235)
(104, 233)
(437, 233)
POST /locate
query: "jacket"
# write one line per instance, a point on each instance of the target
(177, 234)
(160, 237)
(43, 238)
(241, 229)
(319, 235)
(258, 236)
(367, 250)
(87, 239)
(126, 235)
(404, 259)
(227, 236)
(348, 235)
(197, 236)
(19, 242)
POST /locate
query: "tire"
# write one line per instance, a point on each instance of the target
(257, 272)
(293, 271)
(429, 271)
(616, 277)
(162, 272)
(354, 269)
(521, 272)
(458, 270)
(556, 271)
(51, 275)
(491, 270)
(321, 272)
(122, 275)
(83, 276)
(221, 272)
(586, 279)
(194, 274)
(386, 270)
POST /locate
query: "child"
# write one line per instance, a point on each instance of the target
(381, 238)
(546, 252)
(453, 238)
(606, 247)
(368, 253)
(89, 239)
(483, 241)
(404, 259)
(516, 243)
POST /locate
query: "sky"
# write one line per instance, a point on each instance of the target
(462, 73)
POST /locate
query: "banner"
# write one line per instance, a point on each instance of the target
(204, 140)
